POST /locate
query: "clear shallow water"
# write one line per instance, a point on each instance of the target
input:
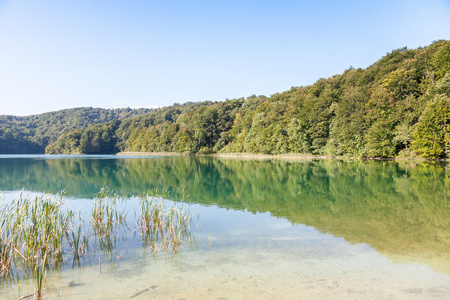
(268, 229)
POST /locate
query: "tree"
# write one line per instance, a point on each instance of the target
(431, 136)
(441, 61)
(379, 139)
(298, 140)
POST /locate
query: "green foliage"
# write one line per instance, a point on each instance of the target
(31, 134)
(441, 60)
(348, 126)
(379, 139)
(298, 140)
(431, 134)
(386, 110)
(95, 139)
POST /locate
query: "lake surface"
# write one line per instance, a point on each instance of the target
(268, 229)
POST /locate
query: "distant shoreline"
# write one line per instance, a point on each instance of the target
(290, 156)
(130, 153)
(227, 155)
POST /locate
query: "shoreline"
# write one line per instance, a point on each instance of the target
(130, 153)
(287, 156)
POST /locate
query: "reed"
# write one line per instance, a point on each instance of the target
(106, 216)
(6, 253)
(162, 226)
(39, 273)
(32, 236)
(107, 220)
(40, 233)
(79, 242)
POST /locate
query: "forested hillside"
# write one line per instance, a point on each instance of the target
(397, 107)
(31, 134)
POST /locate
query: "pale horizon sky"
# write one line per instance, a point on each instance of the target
(63, 54)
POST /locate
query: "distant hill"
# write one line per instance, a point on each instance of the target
(397, 107)
(31, 134)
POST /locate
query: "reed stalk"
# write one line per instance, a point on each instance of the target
(40, 233)
(161, 226)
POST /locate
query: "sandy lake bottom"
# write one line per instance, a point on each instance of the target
(260, 258)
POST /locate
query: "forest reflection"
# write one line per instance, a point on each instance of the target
(399, 208)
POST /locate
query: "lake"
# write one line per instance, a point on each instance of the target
(267, 229)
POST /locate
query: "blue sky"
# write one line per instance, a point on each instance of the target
(115, 53)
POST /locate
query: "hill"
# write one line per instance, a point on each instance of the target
(397, 107)
(31, 134)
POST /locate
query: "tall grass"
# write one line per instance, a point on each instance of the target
(32, 235)
(105, 214)
(163, 226)
(6, 252)
(40, 233)
(107, 219)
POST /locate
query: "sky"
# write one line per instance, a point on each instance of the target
(145, 53)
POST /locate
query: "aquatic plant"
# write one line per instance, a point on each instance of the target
(105, 214)
(163, 226)
(79, 242)
(6, 253)
(39, 273)
(107, 220)
(40, 233)
(32, 235)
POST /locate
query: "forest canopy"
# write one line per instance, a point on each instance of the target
(31, 134)
(397, 107)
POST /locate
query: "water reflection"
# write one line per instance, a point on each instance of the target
(399, 208)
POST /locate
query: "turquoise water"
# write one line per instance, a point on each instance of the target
(267, 228)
